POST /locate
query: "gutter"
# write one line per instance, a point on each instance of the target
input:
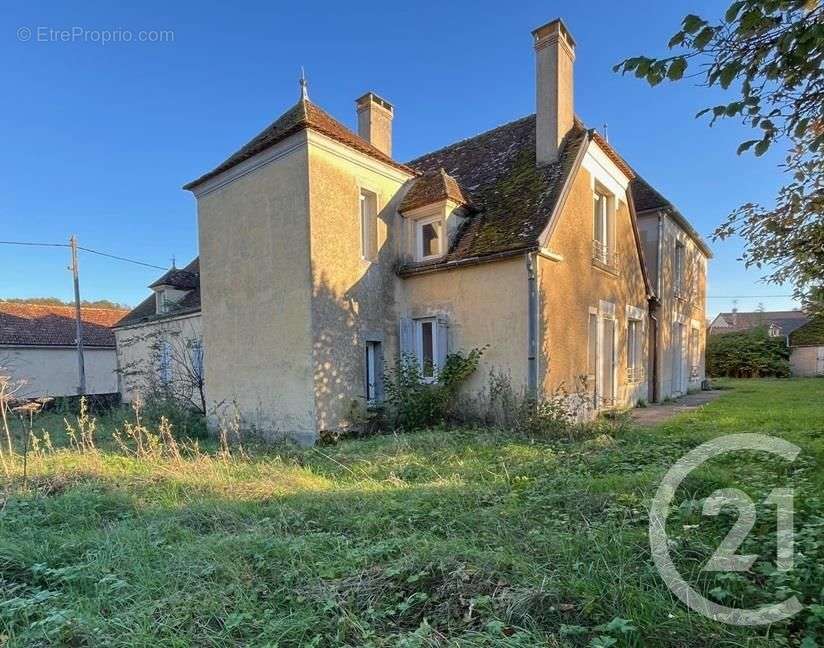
(532, 325)
(409, 271)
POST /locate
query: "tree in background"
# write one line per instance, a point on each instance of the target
(772, 53)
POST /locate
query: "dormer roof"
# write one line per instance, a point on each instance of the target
(433, 187)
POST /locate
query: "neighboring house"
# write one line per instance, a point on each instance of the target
(807, 348)
(677, 258)
(778, 323)
(322, 257)
(159, 343)
(38, 346)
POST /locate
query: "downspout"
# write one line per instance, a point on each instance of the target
(532, 326)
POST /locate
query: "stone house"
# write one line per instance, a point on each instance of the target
(323, 260)
(160, 342)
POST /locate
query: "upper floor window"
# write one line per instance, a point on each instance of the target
(369, 224)
(602, 230)
(679, 270)
(429, 238)
(162, 300)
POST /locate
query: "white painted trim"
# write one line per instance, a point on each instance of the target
(271, 154)
(418, 333)
(635, 313)
(549, 254)
(604, 170)
(606, 309)
(419, 224)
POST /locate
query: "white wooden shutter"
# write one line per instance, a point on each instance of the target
(442, 342)
(407, 338)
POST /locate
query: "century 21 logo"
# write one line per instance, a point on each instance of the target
(725, 557)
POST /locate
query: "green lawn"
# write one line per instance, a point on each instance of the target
(459, 538)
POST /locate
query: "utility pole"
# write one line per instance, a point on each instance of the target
(81, 366)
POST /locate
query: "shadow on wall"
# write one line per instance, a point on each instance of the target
(352, 304)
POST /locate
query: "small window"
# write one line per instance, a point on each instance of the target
(426, 347)
(602, 246)
(162, 302)
(374, 372)
(634, 351)
(429, 238)
(197, 359)
(369, 224)
(165, 362)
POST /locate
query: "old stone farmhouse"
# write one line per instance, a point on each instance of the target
(323, 259)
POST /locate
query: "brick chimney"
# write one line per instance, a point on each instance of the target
(555, 110)
(375, 121)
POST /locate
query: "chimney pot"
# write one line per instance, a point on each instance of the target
(375, 121)
(555, 110)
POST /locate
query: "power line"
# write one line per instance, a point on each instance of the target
(745, 296)
(84, 249)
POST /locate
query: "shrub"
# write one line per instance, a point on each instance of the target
(415, 403)
(747, 354)
(185, 419)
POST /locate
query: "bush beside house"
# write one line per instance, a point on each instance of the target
(748, 354)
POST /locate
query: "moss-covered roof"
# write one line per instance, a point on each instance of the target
(811, 334)
(514, 196)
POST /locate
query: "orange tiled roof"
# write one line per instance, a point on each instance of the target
(47, 325)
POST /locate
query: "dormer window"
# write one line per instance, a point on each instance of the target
(429, 238)
(162, 301)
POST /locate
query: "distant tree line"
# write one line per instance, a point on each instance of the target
(56, 301)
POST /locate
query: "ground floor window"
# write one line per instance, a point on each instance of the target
(374, 372)
(426, 346)
(165, 362)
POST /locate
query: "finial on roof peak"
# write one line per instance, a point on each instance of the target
(304, 85)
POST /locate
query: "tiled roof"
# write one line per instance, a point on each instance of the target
(785, 321)
(515, 197)
(304, 114)
(647, 198)
(809, 334)
(46, 325)
(179, 279)
(431, 187)
(146, 311)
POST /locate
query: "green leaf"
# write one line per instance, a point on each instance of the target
(746, 146)
(678, 39)
(602, 642)
(728, 73)
(732, 12)
(762, 147)
(693, 23)
(703, 38)
(676, 69)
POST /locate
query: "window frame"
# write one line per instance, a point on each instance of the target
(419, 225)
(371, 359)
(634, 347)
(164, 369)
(419, 355)
(368, 231)
(603, 217)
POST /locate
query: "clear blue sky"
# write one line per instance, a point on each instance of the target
(98, 139)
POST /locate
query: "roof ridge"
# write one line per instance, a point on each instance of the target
(471, 137)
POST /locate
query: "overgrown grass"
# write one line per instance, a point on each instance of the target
(464, 538)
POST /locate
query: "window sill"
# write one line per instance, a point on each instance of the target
(605, 267)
